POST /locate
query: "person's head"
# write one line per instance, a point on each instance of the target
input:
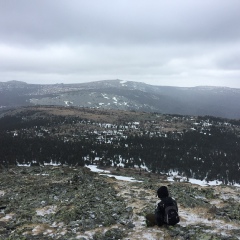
(162, 192)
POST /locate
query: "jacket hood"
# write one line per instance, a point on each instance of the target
(162, 192)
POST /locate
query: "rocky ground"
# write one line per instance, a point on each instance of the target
(57, 202)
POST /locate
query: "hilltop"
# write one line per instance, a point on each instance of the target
(62, 202)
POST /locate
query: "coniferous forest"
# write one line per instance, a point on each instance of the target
(195, 147)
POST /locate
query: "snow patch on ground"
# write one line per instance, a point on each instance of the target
(122, 178)
(52, 163)
(24, 164)
(173, 176)
(68, 103)
(46, 210)
(115, 99)
(142, 167)
(2, 193)
(7, 217)
(43, 174)
(105, 96)
(123, 82)
(94, 168)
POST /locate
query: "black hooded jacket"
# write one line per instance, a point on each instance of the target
(160, 210)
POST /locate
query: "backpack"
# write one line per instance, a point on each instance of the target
(171, 215)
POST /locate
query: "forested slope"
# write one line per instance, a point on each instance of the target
(195, 147)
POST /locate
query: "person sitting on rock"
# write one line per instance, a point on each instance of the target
(166, 211)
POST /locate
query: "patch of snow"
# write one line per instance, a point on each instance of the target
(145, 167)
(48, 232)
(119, 164)
(200, 197)
(38, 229)
(142, 167)
(43, 174)
(123, 82)
(7, 217)
(149, 236)
(2, 193)
(173, 175)
(51, 163)
(203, 183)
(86, 235)
(205, 124)
(63, 232)
(94, 168)
(122, 178)
(198, 182)
(24, 164)
(46, 210)
(68, 103)
(32, 100)
(105, 96)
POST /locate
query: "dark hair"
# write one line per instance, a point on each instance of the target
(162, 192)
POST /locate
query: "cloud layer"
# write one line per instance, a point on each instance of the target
(177, 43)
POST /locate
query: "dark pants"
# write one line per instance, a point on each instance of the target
(150, 220)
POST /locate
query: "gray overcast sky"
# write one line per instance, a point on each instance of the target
(160, 42)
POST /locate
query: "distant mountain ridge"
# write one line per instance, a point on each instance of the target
(125, 95)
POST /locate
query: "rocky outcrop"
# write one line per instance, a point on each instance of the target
(42, 202)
